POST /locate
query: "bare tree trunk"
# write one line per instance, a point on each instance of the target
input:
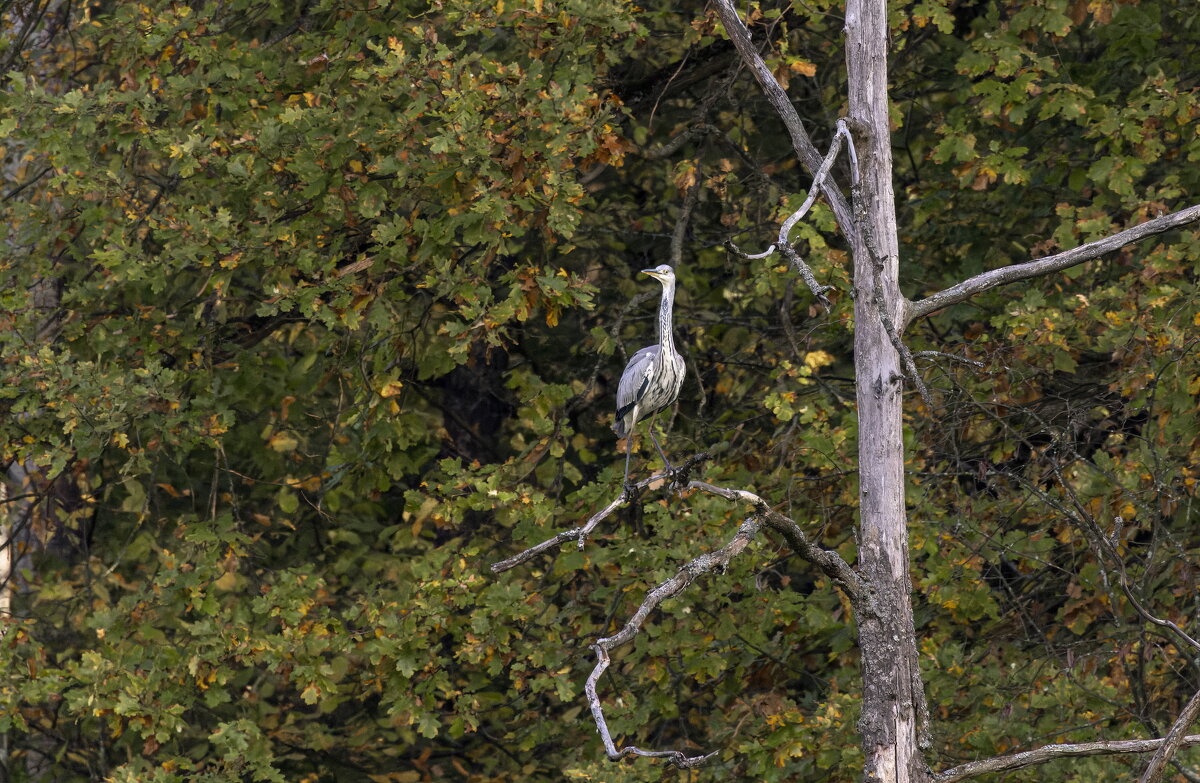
(6, 562)
(893, 710)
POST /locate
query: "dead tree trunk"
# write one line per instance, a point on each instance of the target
(893, 711)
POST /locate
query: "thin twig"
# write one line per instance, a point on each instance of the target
(12, 193)
(685, 215)
(939, 355)
(906, 357)
(797, 264)
(673, 144)
(1105, 547)
(806, 275)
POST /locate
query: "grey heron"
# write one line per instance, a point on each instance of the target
(654, 374)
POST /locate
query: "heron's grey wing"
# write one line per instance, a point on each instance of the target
(632, 387)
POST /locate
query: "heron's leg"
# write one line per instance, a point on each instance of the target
(628, 454)
(629, 451)
(661, 453)
(670, 468)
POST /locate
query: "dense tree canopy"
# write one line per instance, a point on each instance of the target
(309, 313)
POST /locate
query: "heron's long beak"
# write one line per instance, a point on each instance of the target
(652, 272)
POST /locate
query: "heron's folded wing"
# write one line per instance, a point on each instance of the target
(634, 381)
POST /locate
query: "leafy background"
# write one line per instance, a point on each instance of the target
(312, 312)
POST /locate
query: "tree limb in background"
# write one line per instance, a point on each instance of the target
(1046, 753)
(801, 143)
(672, 145)
(685, 215)
(1043, 266)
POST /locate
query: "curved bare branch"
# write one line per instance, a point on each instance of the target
(668, 589)
(828, 561)
(783, 243)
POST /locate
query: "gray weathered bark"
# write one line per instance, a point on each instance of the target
(893, 699)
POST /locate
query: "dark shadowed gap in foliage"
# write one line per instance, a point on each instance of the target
(474, 410)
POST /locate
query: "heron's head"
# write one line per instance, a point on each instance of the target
(663, 273)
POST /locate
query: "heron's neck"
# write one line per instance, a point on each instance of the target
(665, 333)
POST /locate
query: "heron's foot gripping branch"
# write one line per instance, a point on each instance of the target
(681, 475)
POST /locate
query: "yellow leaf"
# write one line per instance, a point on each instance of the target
(804, 68)
(685, 177)
(283, 442)
(818, 359)
(391, 389)
(227, 581)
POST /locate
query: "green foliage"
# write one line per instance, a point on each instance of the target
(311, 313)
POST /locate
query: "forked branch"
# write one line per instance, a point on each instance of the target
(828, 561)
(668, 589)
(778, 97)
(1043, 266)
(783, 243)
